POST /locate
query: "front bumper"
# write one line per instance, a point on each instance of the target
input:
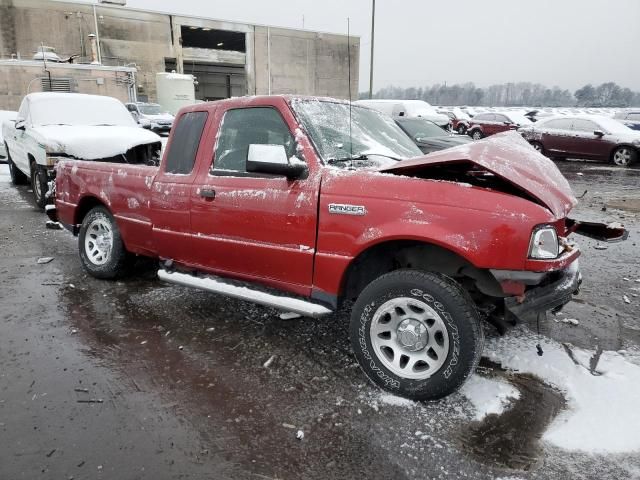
(550, 296)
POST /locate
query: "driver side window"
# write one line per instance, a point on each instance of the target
(248, 126)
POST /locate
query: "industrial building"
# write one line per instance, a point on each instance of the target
(226, 58)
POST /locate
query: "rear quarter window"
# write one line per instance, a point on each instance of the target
(181, 156)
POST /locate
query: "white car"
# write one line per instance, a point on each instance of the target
(53, 126)
(151, 116)
(408, 108)
(10, 116)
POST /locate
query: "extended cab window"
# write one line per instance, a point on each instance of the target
(247, 126)
(184, 145)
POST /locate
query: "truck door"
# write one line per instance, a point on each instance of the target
(171, 189)
(249, 225)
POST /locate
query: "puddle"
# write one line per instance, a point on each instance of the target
(512, 439)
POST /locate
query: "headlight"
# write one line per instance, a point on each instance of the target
(544, 243)
(53, 158)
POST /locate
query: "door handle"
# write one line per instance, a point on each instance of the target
(208, 193)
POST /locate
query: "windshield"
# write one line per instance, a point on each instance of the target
(372, 133)
(78, 109)
(151, 109)
(612, 126)
(519, 119)
(421, 128)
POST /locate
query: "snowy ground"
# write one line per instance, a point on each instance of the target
(135, 379)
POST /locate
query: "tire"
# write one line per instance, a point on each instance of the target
(624, 156)
(462, 129)
(477, 135)
(102, 251)
(394, 306)
(39, 185)
(17, 177)
(538, 147)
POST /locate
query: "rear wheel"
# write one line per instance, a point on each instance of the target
(477, 135)
(102, 251)
(538, 147)
(39, 184)
(624, 156)
(416, 334)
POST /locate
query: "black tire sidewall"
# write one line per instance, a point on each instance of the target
(39, 175)
(113, 268)
(445, 297)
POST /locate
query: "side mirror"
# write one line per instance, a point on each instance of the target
(273, 159)
(598, 133)
(507, 123)
(20, 125)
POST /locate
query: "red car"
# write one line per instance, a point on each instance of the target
(591, 137)
(485, 124)
(460, 121)
(285, 202)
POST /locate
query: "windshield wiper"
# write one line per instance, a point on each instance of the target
(361, 156)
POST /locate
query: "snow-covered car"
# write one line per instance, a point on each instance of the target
(9, 116)
(407, 108)
(52, 126)
(151, 116)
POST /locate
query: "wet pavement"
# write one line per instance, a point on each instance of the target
(135, 379)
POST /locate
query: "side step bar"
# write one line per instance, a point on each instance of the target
(302, 307)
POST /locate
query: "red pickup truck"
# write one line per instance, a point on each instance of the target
(306, 204)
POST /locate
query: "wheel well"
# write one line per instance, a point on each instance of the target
(84, 207)
(32, 161)
(632, 147)
(394, 255)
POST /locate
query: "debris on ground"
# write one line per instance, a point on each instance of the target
(210, 329)
(626, 299)
(300, 435)
(572, 321)
(51, 225)
(289, 315)
(268, 363)
(43, 260)
(288, 425)
(600, 246)
(91, 400)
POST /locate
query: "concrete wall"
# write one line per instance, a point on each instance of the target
(19, 78)
(301, 62)
(306, 63)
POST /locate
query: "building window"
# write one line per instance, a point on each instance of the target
(198, 37)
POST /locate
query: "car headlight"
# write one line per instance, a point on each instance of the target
(544, 243)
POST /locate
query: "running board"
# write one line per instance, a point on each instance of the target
(213, 285)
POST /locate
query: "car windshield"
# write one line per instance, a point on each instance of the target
(151, 109)
(612, 126)
(78, 110)
(519, 119)
(370, 133)
(421, 128)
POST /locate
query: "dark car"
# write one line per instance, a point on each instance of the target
(460, 121)
(587, 136)
(428, 136)
(630, 118)
(485, 124)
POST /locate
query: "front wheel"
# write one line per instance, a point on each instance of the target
(102, 251)
(17, 177)
(416, 334)
(39, 185)
(537, 146)
(477, 135)
(624, 156)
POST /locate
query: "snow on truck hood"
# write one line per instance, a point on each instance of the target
(93, 142)
(508, 156)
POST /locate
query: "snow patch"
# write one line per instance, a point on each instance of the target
(489, 395)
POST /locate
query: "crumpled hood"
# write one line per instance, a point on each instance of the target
(444, 141)
(510, 157)
(93, 142)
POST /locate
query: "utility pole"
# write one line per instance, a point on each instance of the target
(373, 28)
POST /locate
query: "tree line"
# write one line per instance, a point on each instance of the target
(608, 94)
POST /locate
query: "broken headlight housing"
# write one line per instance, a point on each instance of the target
(544, 243)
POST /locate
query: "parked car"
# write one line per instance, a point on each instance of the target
(50, 126)
(631, 118)
(305, 206)
(485, 124)
(151, 116)
(428, 136)
(9, 116)
(460, 121)
(407, 108)
(587, 136)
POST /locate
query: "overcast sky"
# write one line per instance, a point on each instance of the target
(421, 42)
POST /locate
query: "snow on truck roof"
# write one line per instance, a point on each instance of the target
(49, 108)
